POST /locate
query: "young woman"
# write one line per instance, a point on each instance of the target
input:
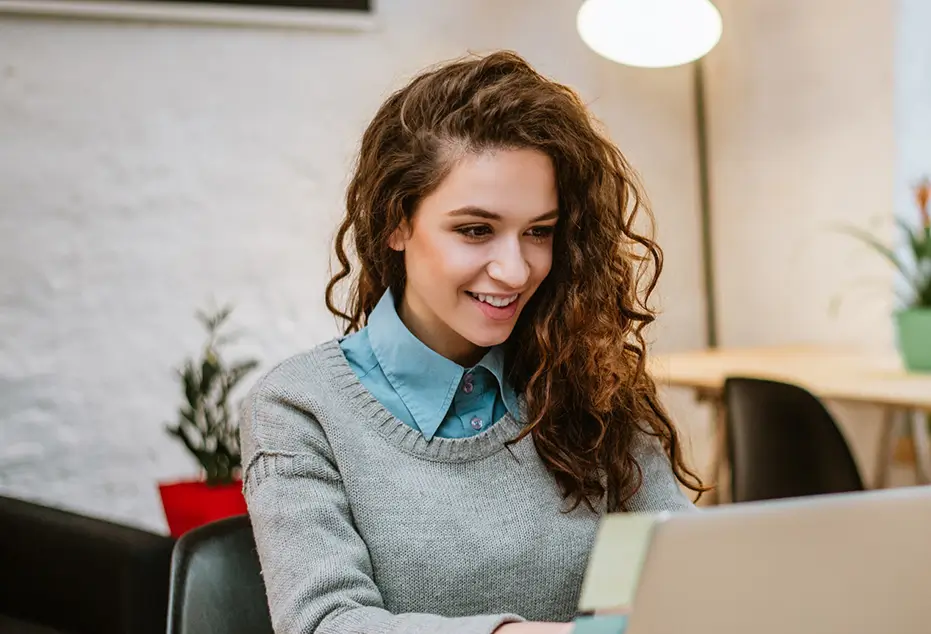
(443, 467)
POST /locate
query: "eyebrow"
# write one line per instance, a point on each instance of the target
(478, 212)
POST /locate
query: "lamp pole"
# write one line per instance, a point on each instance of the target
(704, 190)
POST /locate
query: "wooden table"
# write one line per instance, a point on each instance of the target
(829, 373)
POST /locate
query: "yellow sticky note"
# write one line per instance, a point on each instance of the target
(616, 560)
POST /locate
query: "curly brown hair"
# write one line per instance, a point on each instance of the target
(577, 353)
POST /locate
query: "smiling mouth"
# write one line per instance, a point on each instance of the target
(495, 300)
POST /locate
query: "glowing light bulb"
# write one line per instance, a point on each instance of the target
(650, 33)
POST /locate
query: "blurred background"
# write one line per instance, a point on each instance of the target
(150, 168)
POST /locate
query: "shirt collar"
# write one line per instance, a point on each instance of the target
(425, 380)
(493, 361)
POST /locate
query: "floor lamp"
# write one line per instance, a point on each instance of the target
(657, 34)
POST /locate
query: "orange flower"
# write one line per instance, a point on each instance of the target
(922, 194)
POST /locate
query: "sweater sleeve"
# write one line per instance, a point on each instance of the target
(659, 489)
(316, 567)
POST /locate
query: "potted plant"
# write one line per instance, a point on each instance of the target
(913, 321)
(208, 428)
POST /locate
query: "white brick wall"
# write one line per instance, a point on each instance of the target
(145, 169)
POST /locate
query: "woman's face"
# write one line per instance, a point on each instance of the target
(477, 249)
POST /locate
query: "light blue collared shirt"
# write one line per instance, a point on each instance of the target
(422, 388)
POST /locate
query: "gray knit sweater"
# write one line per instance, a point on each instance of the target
(364, 527)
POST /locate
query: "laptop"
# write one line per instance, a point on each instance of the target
(845, 563)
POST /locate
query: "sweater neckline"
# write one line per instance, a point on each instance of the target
(364, 405)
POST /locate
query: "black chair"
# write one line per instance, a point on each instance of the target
(782, 442)
(216, 582)
(65, 572)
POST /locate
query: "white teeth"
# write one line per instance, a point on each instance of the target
(499, 302)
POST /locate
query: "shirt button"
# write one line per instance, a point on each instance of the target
(477, 422)
(467, 386)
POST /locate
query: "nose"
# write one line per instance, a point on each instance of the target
(509, 266)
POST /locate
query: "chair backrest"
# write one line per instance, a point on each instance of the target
(784, 443)
(79, 574)
(216, 582)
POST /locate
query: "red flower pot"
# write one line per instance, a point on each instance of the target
(191, 504)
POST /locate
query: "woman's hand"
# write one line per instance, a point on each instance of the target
(534, 627)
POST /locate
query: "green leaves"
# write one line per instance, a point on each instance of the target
(916, 269)
(206, 426)
(919, 241)
(882, 249)
(209, 369)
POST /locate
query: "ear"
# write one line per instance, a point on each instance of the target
(400, 236)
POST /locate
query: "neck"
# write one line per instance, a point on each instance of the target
(436, 335)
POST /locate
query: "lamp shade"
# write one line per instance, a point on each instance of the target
(650, 33)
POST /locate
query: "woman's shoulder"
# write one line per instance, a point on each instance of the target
(280, 425)
(288, 400)
(302, 370)
(659, 489)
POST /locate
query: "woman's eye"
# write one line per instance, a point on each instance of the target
(542, 233)
(475, 231)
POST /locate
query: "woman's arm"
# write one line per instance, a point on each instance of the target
(317, 571)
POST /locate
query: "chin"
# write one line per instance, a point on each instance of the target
(489, 339)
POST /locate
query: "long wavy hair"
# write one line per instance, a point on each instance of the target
(577, 353)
